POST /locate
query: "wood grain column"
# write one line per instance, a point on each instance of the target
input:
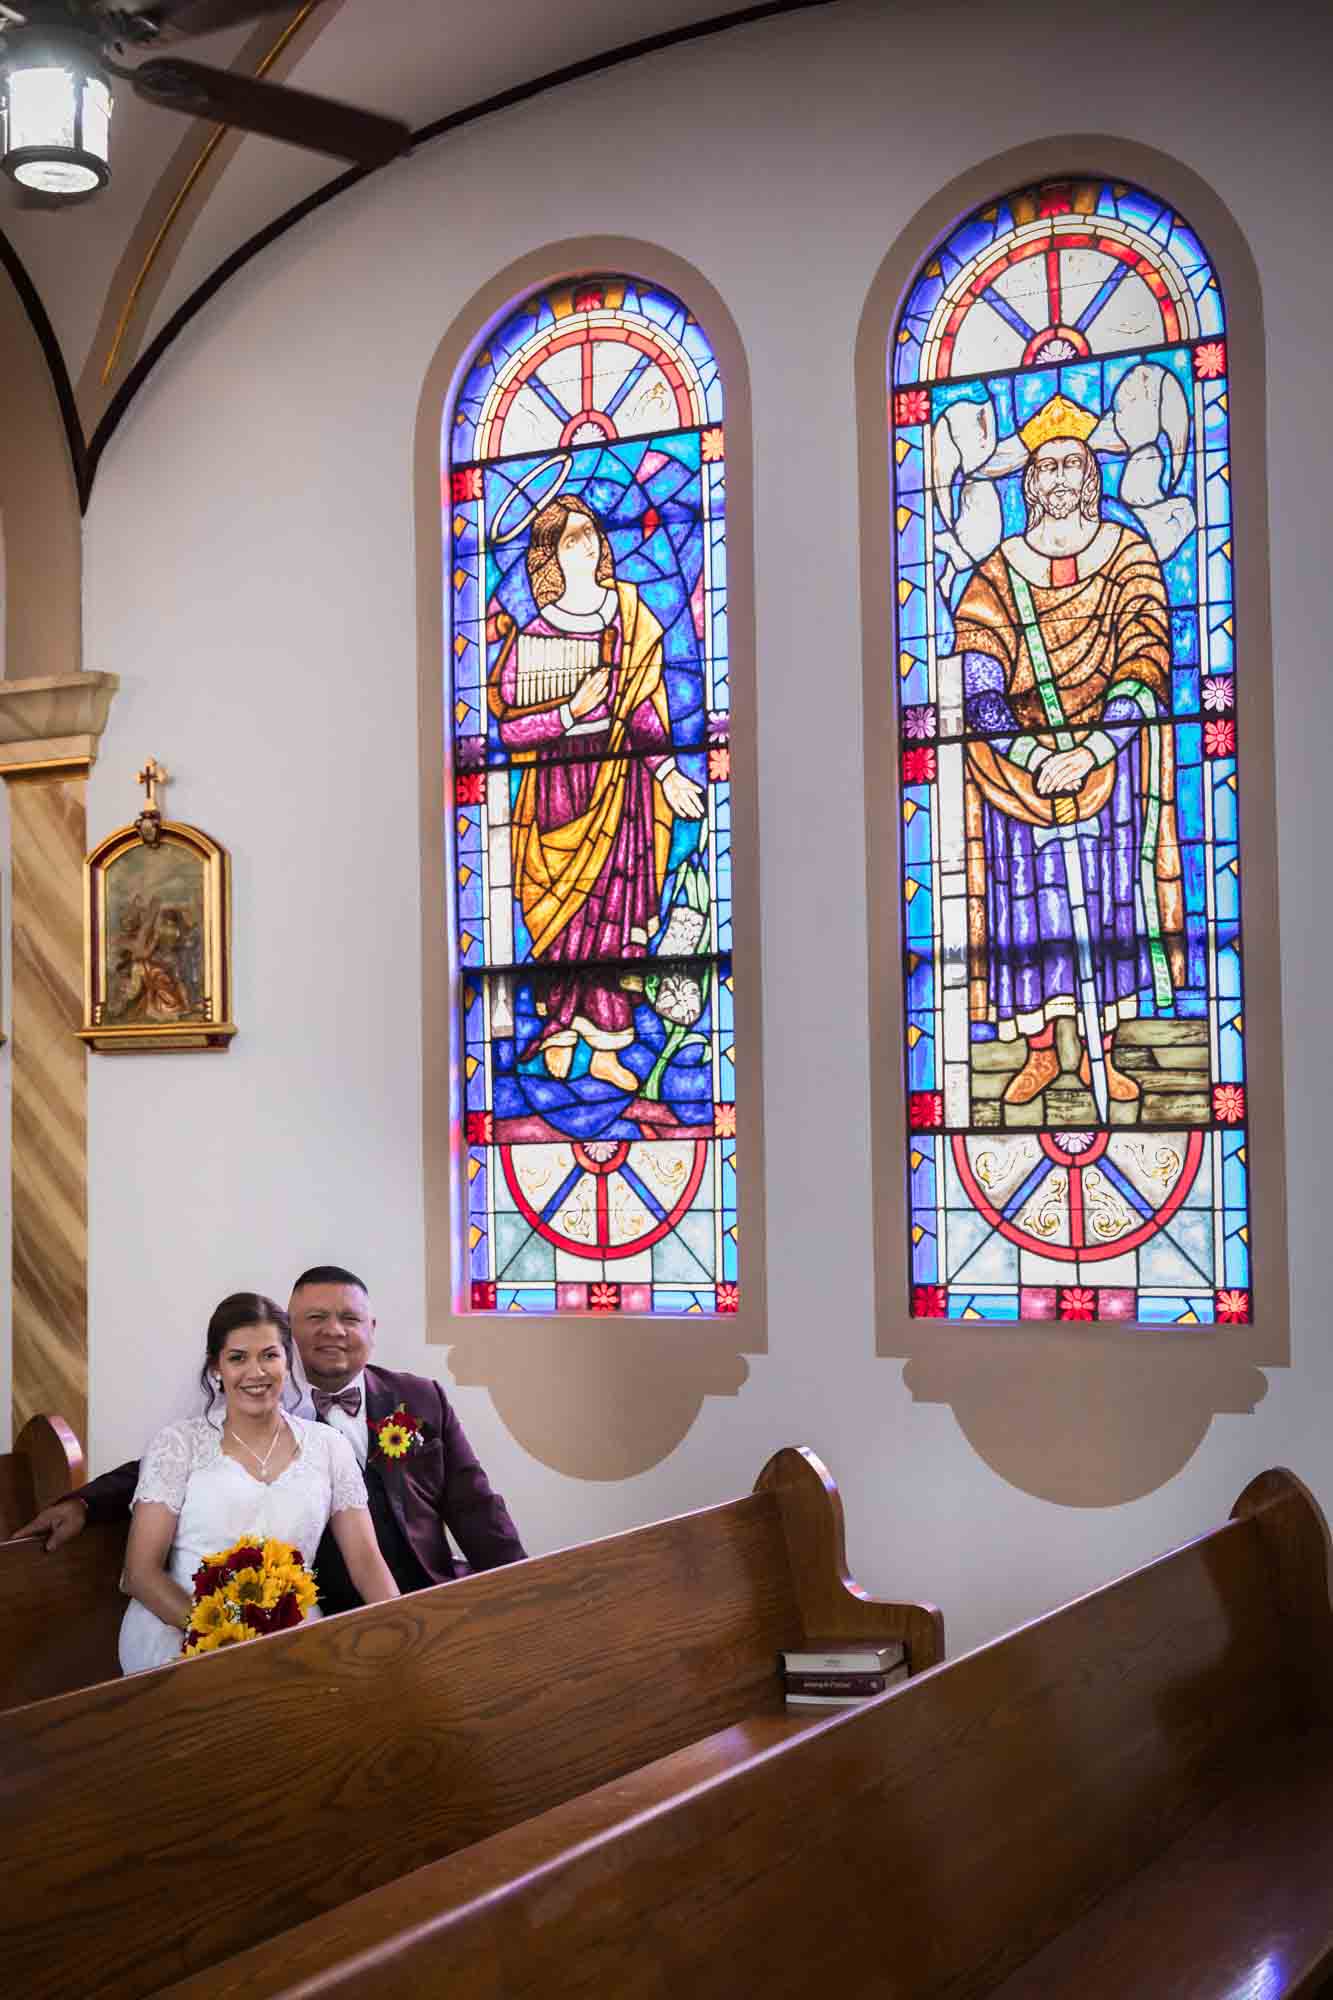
(49, 1159)
(49, 731)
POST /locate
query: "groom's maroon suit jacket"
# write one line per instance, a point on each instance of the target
(438, 1486)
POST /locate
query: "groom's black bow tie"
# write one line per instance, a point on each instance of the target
(347, 1400)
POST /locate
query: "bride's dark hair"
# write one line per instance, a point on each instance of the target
(237, 1310)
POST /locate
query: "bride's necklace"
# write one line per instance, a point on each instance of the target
(262, 1463)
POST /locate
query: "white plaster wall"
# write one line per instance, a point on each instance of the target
(250, 576)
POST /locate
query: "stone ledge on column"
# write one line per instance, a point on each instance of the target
(53, 722)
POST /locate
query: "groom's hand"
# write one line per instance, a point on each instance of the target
(60, 1523)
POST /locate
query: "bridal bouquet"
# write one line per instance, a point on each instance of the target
(245, 1591)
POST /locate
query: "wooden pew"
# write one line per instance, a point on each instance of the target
(59, 1614)
(158, 1825)
(1131, 1796)
(47, 1460)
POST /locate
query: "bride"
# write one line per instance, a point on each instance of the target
(248, 1472)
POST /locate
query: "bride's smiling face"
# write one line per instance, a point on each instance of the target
(253, 1367)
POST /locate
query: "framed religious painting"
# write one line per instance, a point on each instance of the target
(157, 936)
(1066, 665)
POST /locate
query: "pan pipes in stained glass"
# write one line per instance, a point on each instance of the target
(551, 670)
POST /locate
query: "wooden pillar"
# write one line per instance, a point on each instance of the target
(49, 1156)
(49, 731)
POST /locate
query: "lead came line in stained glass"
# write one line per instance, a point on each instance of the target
(588, 692)
(1066, 669)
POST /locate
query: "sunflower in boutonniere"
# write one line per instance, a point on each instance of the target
(397, 1434)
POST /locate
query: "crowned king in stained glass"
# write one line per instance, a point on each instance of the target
(1066, 667)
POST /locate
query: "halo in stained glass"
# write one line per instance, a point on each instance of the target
(589, 704)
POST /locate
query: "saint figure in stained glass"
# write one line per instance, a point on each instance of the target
(1067, 665)
(588, 696)
(1074, 901)
(576, 690)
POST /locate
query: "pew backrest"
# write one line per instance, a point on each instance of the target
(922, 1846)
(47, 1460)
(374, 1742)
(60, 1614)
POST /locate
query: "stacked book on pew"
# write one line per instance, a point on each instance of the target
(837, 1673)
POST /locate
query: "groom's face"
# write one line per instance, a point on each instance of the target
(334, 1331)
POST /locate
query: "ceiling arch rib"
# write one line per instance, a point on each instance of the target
(111, 283)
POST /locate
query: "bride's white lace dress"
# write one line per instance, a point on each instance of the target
(217, 1502)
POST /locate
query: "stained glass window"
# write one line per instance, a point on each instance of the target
(1066, 671)
(587, 690)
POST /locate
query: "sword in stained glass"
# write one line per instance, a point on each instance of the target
(1066, 823)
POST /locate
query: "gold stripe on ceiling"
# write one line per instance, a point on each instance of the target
(210, 146)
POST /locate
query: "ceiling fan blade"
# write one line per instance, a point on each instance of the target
(317, 123)
(173, 20)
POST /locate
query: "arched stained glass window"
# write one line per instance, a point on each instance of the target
(1066, 670)
(588, 703)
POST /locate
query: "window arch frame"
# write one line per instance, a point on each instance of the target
(710, 1339)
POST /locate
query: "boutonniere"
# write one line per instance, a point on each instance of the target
(398, 1433)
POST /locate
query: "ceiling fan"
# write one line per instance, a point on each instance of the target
(55, 98)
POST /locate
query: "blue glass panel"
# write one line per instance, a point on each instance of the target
(1135, 407)
(559, 1058)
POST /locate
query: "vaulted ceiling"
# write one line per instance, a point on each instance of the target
(110, 279)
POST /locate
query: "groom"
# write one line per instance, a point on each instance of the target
(437, 1484)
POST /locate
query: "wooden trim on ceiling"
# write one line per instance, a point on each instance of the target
(179, 197)
(452, 122)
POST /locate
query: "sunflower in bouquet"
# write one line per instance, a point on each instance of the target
(247, 1590)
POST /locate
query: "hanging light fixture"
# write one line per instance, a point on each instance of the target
(55, 103)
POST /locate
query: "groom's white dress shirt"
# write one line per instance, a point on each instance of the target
(355, 1429)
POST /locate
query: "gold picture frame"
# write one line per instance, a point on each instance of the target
(157, 939)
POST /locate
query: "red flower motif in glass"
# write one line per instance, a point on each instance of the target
(1234, 1306)
(479, 1128)
(466, 483)
(926, 1110)
(469, 788)
(911, 406)
(1210, 360)
(1078, 1302)
(604, 1298)
(1219, 738)
(728, 1298)
(919, 766)
(1229, 1103)
(483, 1295)
(930, 1302)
